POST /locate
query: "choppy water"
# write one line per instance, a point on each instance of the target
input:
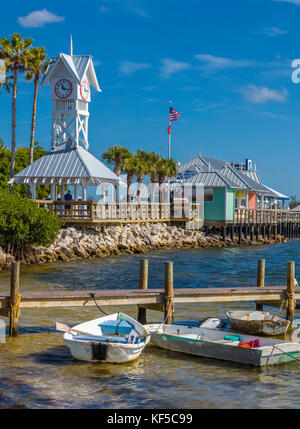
(37, 371)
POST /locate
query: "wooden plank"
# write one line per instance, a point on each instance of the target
(154, 307)
(290, 289)
(260, 280)
(39, 299)
(14, 300)
(143, 285)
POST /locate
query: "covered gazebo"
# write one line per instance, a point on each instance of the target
(66, 165)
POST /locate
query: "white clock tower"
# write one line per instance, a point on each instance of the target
(70, 77)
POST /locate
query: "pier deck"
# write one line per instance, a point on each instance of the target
(159, 299)
(153, 297)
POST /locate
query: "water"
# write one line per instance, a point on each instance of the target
(37, 371)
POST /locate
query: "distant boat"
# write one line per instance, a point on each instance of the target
(229, 346)
(115, 338)
(257, 322)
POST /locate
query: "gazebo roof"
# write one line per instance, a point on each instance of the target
(74, 165)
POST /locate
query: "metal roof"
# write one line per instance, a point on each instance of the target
(67, 162)
(296, 209)
(240, 179)
(77, 65)
(207, 178)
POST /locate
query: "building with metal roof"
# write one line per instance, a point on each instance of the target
(69, 162)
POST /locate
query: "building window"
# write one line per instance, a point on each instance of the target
(236, 202)
(208, 194)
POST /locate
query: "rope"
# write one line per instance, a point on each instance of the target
(287, 296)
(13, 308)
(167, 298)
(94, 299)
(282, 351)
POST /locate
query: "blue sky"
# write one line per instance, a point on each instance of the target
(226, 66)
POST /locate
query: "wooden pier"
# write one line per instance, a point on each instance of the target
(159, 299)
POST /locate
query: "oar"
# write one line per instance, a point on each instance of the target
(65, 328)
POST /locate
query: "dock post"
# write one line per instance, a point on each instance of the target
(260, 280)
(240, 234)
(14, 300)
(143, 284)
(224, 233)
(290, 289)
(168, 298)
(275, 231)
(251, 233)
(257, 232)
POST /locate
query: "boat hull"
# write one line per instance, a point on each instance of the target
(104, 352)
(251, 323)
(210, 348)
(98, 341)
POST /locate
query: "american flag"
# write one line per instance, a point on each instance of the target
(173, 114)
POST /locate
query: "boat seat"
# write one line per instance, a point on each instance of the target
(229, 342)
(117, 339)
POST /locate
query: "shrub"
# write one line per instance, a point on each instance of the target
(24, 225)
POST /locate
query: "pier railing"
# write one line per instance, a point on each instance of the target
(109, 211)
(265, 216)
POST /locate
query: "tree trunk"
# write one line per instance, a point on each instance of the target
(33, 122)
(13, 127)
(129, 181)
(117, 171)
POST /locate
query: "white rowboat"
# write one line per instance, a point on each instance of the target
(213, 343)
(115, 338)
(257, 322)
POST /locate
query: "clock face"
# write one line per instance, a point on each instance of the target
(63, 88)
(84, 90)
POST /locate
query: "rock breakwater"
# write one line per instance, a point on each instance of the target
(128, 239)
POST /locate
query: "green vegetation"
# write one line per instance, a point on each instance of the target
(23, 225)
(293, 202)
(140, 164)
(15, 54)
(36, 66)
(21, 162)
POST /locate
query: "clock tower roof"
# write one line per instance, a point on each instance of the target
(78, 65)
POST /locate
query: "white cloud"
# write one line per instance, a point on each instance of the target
(213, 62)
(273, 32)
(171, 66)
(297, 2)
(259, 95)
(129, 67)
(38, 18)
(132, 6)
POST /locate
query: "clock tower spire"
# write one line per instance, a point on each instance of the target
(70, 77)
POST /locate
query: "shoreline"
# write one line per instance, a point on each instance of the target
(128, 239)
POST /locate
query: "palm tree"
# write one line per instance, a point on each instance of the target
(36, 66)
(153, 174)
(142, 169)
(129, 167)
(116, 155)
(166, 168)
(14, 52)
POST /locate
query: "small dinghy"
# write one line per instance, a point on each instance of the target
(115, 338)
(229, 346)
(257, 322)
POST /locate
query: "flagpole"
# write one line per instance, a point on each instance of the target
(170, 132)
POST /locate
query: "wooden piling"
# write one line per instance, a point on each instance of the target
(143, 284)
(260, 279)
(290, 291)
(168, 298)
(14, 300)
